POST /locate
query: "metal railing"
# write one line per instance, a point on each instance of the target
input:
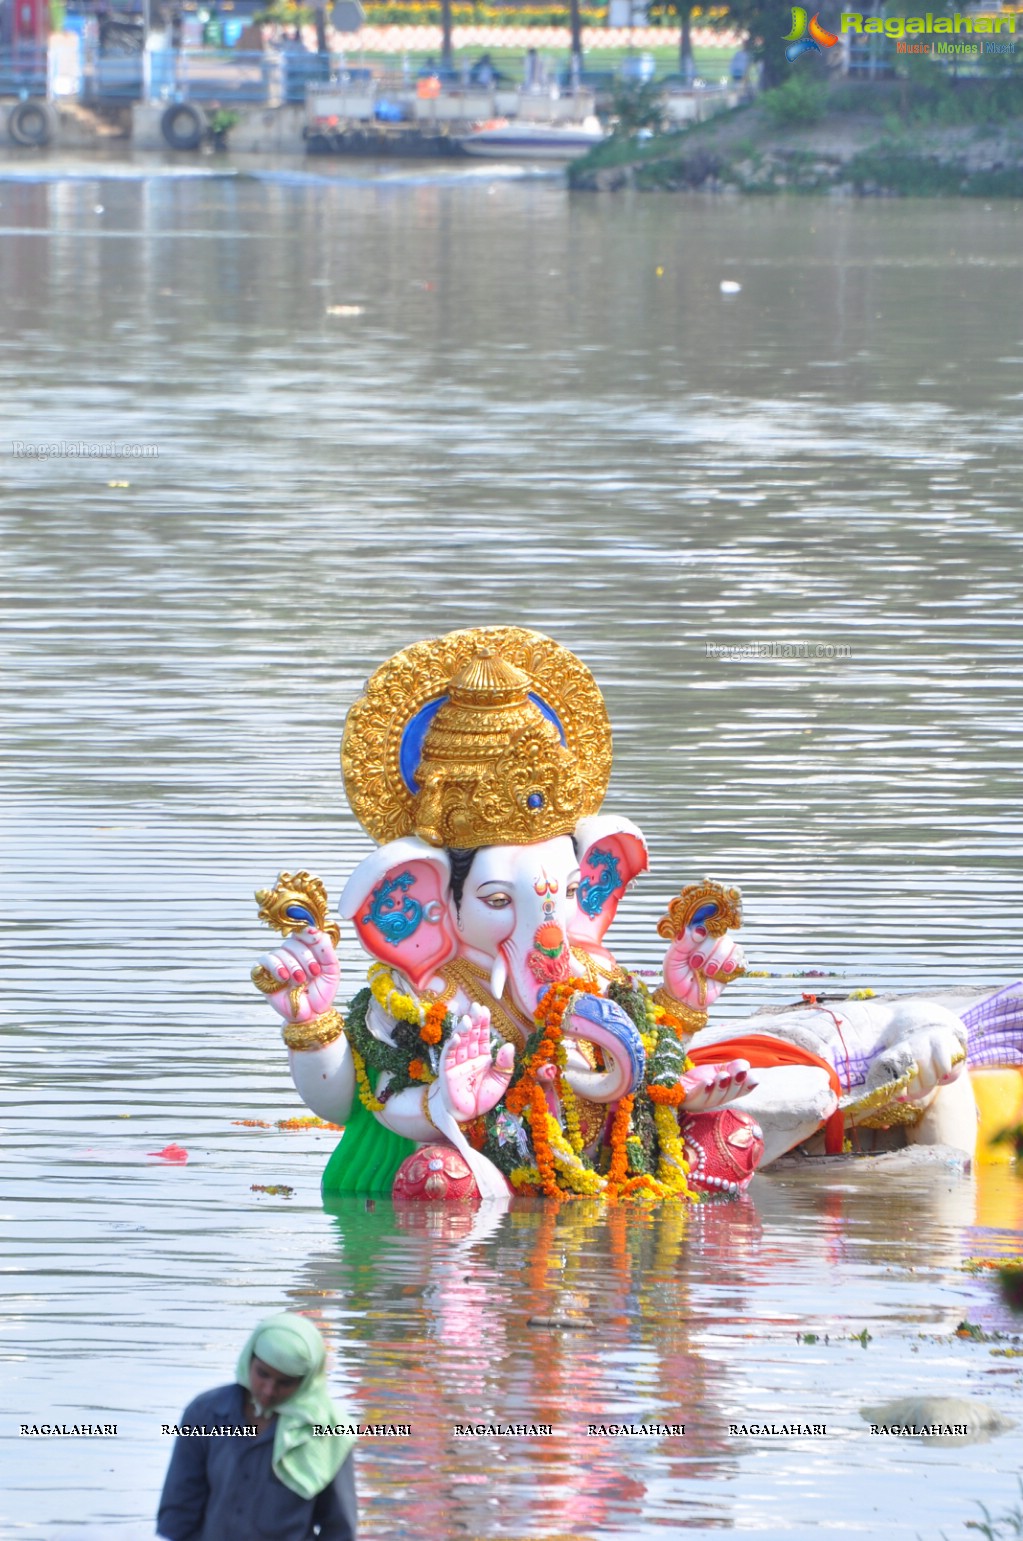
(24, 71)
(112, 77)
(214, 75)
(301, 70)
(225, 77)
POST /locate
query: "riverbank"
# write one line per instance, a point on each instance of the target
(886, 139)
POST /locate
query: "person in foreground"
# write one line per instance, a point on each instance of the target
(254, 1469)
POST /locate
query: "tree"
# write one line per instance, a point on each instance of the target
(767, 22)
(577, 39)
(682, 11)
(447, 58)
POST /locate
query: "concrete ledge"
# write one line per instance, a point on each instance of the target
(259, 130)
(77, 127)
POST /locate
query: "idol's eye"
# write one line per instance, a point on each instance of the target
(496, 901)
(572, 890)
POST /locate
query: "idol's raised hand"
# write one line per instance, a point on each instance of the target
(475, 1079)
(697, 966)
(300, 977)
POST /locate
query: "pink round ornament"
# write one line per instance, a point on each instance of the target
(434, 1173)
(723, 1150)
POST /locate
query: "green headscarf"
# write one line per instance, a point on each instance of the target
(305, 1462)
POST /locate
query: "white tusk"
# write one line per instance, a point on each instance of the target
(498, 977)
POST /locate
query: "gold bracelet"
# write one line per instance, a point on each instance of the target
(315, 1034)
(426, 1108)
(687, 1015)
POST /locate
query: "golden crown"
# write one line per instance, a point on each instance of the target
(494, 736)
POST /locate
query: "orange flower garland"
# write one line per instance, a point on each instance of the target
(541, 1144)
(433, 1022)
(618, 1172)
(527, 1096)
(670, 1096)
(549, 1015)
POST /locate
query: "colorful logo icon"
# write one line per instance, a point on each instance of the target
(797, 40)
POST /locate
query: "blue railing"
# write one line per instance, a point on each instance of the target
(212, 75)
(207, 75)
(301, 70)
(23, 71)
(114, 78)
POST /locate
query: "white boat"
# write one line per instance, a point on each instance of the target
(515, 139)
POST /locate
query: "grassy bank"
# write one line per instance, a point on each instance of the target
(928, 137)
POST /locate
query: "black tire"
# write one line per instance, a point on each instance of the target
(32, 124)
(183, 126)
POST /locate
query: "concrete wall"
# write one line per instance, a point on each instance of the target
(259, 130)
(76, 129)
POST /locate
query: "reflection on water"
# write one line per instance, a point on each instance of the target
(526, 424)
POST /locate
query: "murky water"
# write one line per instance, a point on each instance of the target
(390, 404)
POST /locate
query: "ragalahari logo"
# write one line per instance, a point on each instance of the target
(797, 40)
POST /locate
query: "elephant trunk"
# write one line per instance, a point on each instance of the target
(603, 1023)
(530, 961)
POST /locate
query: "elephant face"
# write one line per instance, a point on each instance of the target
(513, 917)
(516, 911)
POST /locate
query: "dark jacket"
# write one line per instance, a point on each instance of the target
(221, 1487)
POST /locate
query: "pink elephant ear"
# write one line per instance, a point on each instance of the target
(611, 853)
(398, 901)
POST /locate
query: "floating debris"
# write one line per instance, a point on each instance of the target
(276, 1190)
(306, 1123)
(174, 1155)
(285, 1123)
(937, 1420)
(558, 1321)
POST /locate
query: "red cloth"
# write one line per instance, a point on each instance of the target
(764, 1053)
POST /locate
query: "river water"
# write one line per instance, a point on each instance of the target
(386, 403)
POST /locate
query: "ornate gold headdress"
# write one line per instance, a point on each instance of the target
(491, 736)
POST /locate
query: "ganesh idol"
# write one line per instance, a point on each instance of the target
(498, 1046)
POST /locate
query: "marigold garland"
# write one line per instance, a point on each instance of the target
(646, 1157)
(618, 1171)
(580, 1178)
(362, 1081)
(389, 998)
(433, 1022)
(407, 1059)
(667, 1096)
(570, 1109)
(672, 1166)
(541, 1143)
